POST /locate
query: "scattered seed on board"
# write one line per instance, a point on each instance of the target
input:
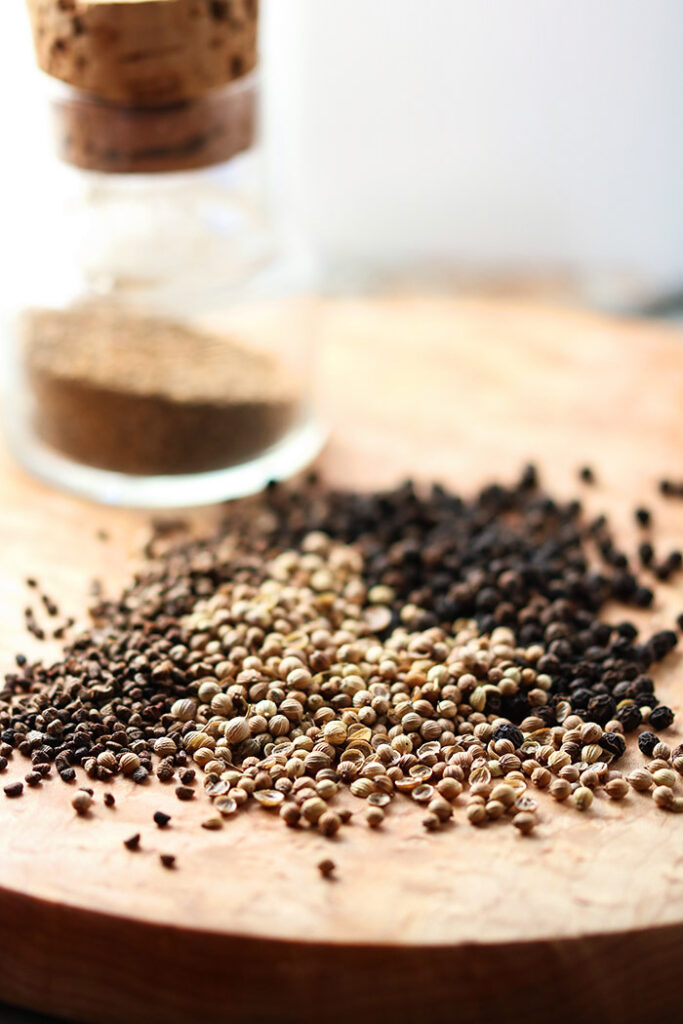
(441, 808)
(616, 789)
(560, 789)
(525, 821)
(326, 867)
(329, 823)
(161, 819)
(213, 824)
(640, 779)
(290, 814)
(82, 802)
(582, 798)
(665, 777)
(476, 814)
(133, 842)
(665, 798)
(168, 860)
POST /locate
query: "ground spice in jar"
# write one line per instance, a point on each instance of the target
(397, 646)
(142, 395)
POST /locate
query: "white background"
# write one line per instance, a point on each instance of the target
(469, 134)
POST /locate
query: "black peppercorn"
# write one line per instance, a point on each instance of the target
(529, 478)
(630, 717)
(646, 552)
(674, 560)
(661, 717)
(660, 644)
(600, 708)
(510, 732)
(643, 597)
(643, 516)
(647, 741)
(614, 743)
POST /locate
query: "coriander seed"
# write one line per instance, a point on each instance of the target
(525, 822)
(560, 789)
(616, 789)
(664, 777)
(640, 779)
(328, 823)
(82, 802)
(582, 798)
(290, 814)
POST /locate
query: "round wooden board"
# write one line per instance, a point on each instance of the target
(582, 921)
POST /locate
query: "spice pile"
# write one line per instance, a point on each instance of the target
(395, 645)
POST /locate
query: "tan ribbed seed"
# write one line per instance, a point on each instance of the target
(184, 710)
(129, 763)
(582, 798)
(665, 777)
(237, 731)
(616, 789)
(640, 779)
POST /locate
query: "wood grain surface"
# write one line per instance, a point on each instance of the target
(582, 922)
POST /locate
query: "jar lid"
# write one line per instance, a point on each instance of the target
(145, 52)
(115, 139)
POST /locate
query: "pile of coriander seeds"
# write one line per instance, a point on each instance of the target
(403, 645)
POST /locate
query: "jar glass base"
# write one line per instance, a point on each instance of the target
(288, 457)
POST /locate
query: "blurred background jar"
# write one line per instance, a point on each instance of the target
(160, 344)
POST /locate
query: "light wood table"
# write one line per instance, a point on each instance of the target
(581, 922)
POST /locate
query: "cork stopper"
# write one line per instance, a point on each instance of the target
(145, 52)
(106, 137)
(150, 83)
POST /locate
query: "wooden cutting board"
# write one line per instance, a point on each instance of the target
(581, 922)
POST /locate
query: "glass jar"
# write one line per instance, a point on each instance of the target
(160, 346)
